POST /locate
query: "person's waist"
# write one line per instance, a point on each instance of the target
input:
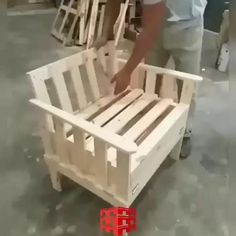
(191, 22)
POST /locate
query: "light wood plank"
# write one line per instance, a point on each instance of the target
(82, 21)
(113, 139)
(121, 23)
(59, 82)
(117, 107)
(160, 70)
(92, 24)
(101, 162)
(92, 79)
(129, 113)
(187, 92)
(150, 82)
(60, 141)
(147, 119)
(79, 153)
(122, 180)
(77, 83)
(101, 20)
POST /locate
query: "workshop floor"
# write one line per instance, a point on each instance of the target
(188, 198)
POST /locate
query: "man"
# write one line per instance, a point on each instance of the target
(180, 38)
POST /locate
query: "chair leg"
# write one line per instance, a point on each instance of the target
(175, 153)
(55, 179)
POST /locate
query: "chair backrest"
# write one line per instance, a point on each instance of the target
(71, 83)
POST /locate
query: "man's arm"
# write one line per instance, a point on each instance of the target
(154, 16)
(153, 19)
(112, 11)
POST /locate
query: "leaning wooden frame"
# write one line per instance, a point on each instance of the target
(109, 144)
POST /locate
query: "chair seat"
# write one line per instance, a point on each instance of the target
(132, 114)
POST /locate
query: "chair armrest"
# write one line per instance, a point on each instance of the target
(165, 71)
(114, 140)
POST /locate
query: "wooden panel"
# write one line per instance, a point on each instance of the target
(41, 93)
(150, 82)
(121, 23)
(101, 20)
(92, 24)
(177, 74)
(60, 141)
(77, 83)
(78, 152)
(187, 92)
(92, 79)
(101, 162)
(113, 139)
(117, 107)
(147, 119)
(59, 82)
(130, 112)
(123, 171)
(82, 21)
(137, 78)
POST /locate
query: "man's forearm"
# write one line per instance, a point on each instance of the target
(153, 19)
(112, 11)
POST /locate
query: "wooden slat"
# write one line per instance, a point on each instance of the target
(77, 83)
(129, 113)
(114, 140)
(101, 20)
(117, 107)
(177, 74)
(147, 119)
(99, 104)
(82, 21)
(187, 92)
(59, 82)
(79, 153)
(177, 117)
(150, 82)
(92, 79)
(101, 162)
(122, 180)
(92, 25)
(121, 23)
(41, 93)
(60, 141)
(102, 59)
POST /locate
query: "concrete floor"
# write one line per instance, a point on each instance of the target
(188, 198)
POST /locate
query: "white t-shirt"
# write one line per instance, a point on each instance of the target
(182, 9)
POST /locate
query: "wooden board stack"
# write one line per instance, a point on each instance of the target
(109, 144)
(79, 22)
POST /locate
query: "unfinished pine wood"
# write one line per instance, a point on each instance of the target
(150, 82)
(79, 153)
(121, 22)
(117, 107)
(92, 24)
(59, 82)
(101, 161)
(60, 142)
(147, 119)
(77, 83)
(112, 139)
(123, 170)
(128, 114)
(117, 142)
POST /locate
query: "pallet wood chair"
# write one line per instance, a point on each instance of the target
(113, 144)
(69, 20)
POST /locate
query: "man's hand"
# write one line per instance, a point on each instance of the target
(122, 80)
